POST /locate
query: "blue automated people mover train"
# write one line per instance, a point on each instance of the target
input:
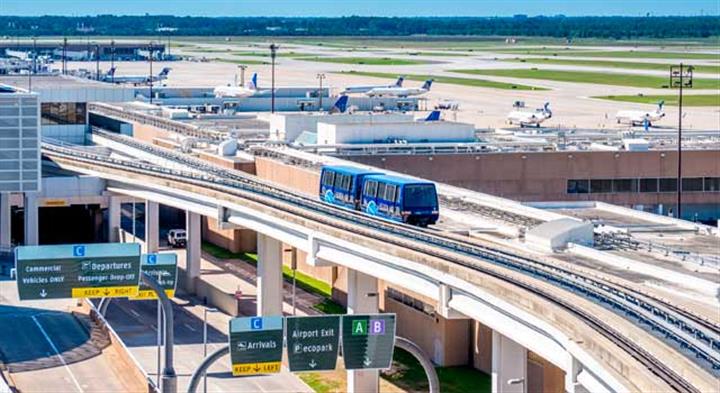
(393, 198)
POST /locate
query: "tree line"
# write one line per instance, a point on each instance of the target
(613, 27)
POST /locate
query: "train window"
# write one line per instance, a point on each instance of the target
(328, 178)
(419, 196)
(338, 180)
(649, 185)
(347, 181)
(712, 184)
(371, 188)
(397, 196)
(390, 192)
(381, 190)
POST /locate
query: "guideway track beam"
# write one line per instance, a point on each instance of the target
(250, 189)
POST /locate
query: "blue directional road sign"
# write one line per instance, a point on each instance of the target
(77, 271)
(256, 345)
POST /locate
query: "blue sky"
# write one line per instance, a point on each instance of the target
(359, 7)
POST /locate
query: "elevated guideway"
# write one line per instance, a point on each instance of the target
(524, 299)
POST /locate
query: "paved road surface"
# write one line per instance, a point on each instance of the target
(47, 349)
(136, 323)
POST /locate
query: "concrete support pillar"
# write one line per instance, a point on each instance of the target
(193, 248)
(152, 227)
(269, 276)
(362, 299)
(509, 365)
(5, 221)
(31, 219)
(114, 214)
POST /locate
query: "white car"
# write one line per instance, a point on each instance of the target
(177, 238)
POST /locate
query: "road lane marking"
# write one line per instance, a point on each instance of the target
(62, 360)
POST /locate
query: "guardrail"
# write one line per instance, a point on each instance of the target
(156, 121)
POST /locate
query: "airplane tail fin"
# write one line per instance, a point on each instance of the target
(660, 104)
(399, 81)
(433, 116)
(546, 109)
(427, 84)
(252, 85)
(340, 106)
(165, 71)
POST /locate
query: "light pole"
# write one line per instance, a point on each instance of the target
(320, 78)
(97, 62)
(64, 57)
(150, 56)
(205, 339)
(273, 54)
(680, 76)
(112, 61)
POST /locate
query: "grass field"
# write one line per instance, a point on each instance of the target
(449, 80)
(707, 69)
(671, 100)
(384, 61)
(630, 54)
(601, 78)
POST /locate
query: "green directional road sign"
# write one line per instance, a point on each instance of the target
(312, 342)
(368, 340)
(256, 345)
(77, 271)
(163, 267)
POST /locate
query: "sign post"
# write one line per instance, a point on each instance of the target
(368, 340)
(78, 271)
(256, 345)
(162, 267)
(312, 342)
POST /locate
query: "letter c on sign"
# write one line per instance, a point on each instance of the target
(256, 323)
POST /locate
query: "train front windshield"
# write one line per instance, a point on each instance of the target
(419, 196)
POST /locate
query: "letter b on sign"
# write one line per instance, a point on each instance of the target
(377, 327)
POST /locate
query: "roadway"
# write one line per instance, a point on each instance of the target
(136, 324)
(47, 349)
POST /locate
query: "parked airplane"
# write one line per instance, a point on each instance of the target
(526, 118)
(365, 89)
(250, 89)
(110, 77)
(641, 118)
(400, 91)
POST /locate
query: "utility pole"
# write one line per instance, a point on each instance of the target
(680, 76)
(273, 54)
(320, 77)
(150, 56)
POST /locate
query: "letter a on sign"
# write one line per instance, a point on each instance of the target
(359, 328)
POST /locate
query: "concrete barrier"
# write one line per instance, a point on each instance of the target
(121, 355)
